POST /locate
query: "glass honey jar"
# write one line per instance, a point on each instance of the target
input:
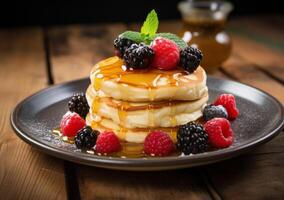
(204, 28)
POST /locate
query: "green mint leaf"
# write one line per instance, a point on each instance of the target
(179, 42)
(150, 25)
(132, 35)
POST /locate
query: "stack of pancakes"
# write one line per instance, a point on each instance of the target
(132, 103)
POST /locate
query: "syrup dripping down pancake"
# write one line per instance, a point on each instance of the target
(112, 77)
(145, 114)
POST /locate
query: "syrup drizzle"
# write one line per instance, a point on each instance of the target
(113, 68)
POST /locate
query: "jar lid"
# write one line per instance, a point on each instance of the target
(205, 9)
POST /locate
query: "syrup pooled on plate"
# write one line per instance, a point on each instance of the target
(128, 150)
(62, 137)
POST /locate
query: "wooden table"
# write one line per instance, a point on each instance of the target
(34, 58)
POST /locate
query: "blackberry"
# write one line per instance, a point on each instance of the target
(79, 104)
(86, 138)
(138, 56)
(121, 44)
(190, 58)
(210, 111)
(192, 138)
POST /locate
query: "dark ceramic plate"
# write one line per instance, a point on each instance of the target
(261, 118)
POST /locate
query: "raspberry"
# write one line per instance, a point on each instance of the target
(219, 132)
(229, 102)
(107, 143)
(71, 123)
(158, 143)
(166, 54)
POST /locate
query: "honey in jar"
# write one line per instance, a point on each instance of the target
(204, 28)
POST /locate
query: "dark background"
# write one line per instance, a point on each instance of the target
(26, 13)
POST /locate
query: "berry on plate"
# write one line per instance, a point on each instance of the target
(219, 132)
(71, 123)
(120, 45)
(79, 104)
(210, 111)
(192, 138)
(190, 59)
(138, 56)
(166, 54)
(229, 102)
(86, 138)
(107, 143)
(158, 143)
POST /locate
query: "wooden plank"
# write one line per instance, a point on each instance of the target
(107, 184)
(74, 50)
(259, 40)
(265, 58)
(267, 29)
(249, 177)
(246, 72)
(25, 173)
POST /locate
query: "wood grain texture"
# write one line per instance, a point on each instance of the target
(249, 177)
(257, 54)
(245, 72)
(107, 184)
(266, 29)
(25, 173)
(74, 50)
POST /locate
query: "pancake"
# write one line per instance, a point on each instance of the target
(137, 135)
(111, 77)
(132, 103)
(144, 114)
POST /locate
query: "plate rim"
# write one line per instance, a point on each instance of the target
(140, 163)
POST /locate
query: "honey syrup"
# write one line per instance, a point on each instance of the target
(210, 37)
(113, 68)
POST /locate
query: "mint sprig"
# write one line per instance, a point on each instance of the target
(148, 32)
(179, 42)
(132, 35)
(150, 25)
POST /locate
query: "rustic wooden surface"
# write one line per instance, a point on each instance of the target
(37, 57)
(25, 173)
